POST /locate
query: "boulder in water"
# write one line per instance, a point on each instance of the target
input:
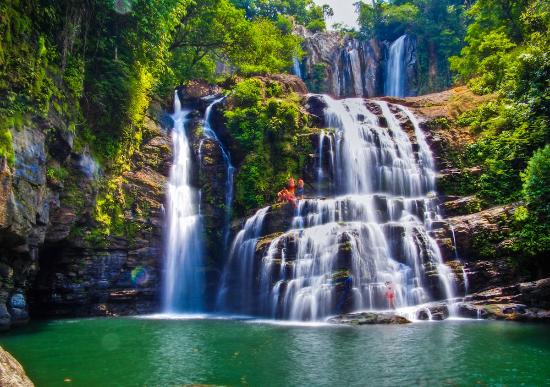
(369, 318)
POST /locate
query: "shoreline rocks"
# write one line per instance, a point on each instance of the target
(369, 318)
(12, 373)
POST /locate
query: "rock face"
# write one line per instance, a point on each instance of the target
(528, 301)
(369, 318)
(411, 67)
(121, 276)
(50, 262)
(12, 373)
(342, 66)
(24, 213)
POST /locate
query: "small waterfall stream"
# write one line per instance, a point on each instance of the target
(183, 278)
(356, 71)
(296, 67)
(339, 252)
(210, 133)
(395, 84)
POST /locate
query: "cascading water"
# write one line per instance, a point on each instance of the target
(183, 277)
(395, 84)
(210, 133)
(297, 70)
(240, 267)
(356, 71)
(338, 253)
(350, 78)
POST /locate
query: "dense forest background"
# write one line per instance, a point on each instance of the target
(100, 63)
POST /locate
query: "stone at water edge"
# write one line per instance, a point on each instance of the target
(369, 318)
(12, 373)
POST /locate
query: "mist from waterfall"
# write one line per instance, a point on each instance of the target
(396, 69)
(339, 252)
(184, 281)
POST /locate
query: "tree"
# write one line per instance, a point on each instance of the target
(214, 32)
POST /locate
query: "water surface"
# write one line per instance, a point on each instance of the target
(161, 352)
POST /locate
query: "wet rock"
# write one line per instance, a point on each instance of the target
(520, 302)
(461, 206)
(60, 145)
(536, 293)
(290, 83)
(369, 318)
(411, 68)
(315, 106)
(468, 310)
(5, 317)
(194, 91)
(439, 311)
(12, 373)
(422, 315)
(322, 51)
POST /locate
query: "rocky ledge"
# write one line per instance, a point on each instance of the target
(369, 318)
(527, 301)
(12, 373)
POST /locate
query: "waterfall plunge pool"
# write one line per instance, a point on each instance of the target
(229, 352)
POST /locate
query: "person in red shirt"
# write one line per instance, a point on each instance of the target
(390, 295)
(291, 185)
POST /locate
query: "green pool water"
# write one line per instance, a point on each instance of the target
(156, 352)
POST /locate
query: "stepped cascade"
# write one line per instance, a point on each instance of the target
(337, 253)
(183, 280)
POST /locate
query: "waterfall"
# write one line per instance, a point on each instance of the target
(350, 81)
(237, 278)
(356, 71)
(183, 277)
(296, 67)
(230, 169)
(338, 253)
(396, 75)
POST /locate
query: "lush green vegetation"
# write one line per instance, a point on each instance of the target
(305, 12)
(507, 54)
(266, 123)
(438, 26)
(97, 64)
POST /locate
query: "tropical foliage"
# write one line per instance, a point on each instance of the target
(507, 54)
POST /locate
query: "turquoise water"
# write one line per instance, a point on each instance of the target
(138, 352)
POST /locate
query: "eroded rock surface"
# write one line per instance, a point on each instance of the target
(12, 373)
(369, 318)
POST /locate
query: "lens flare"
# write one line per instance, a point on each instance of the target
(140, 276)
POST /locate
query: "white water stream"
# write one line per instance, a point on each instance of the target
(395, 84)
(183, 277)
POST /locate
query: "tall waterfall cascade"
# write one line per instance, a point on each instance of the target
(184, 281)
(339, 252)
(396, 72)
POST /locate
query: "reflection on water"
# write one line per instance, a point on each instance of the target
(137, 352)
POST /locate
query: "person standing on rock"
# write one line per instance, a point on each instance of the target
(300, 190)
(291, 185)
(390, 295)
